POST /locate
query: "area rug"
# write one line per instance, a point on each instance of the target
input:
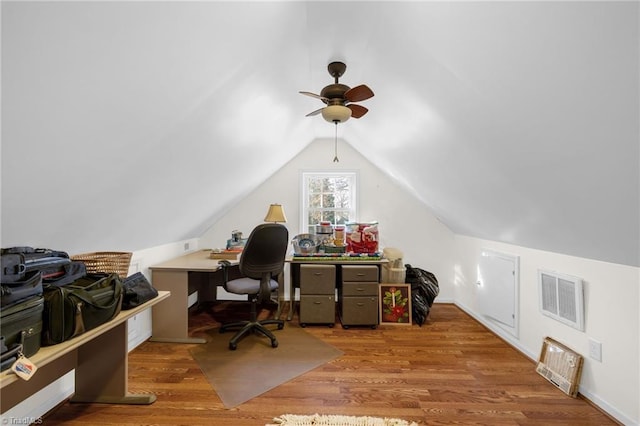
(331, 420)
(255, 367)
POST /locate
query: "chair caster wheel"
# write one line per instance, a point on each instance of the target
(303, 325)
(274, 344)
(233, 346)
(280, 326)
(346, 327)
(331, 325)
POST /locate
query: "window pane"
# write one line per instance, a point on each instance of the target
(314, 217)
(315, 185)
(328, 185)
(342, 217)
(314, 201)
(328, 201)
(342, 199)
(329, 216)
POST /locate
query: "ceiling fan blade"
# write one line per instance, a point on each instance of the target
(357, 111)
(313, 95)
(316, 112)
(358, 93)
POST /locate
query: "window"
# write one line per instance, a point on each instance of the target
(328, 196)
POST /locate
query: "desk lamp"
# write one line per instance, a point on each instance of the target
(275, 214)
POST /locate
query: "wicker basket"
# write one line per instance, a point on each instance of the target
(106, 261)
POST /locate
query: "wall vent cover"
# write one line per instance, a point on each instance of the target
(561, 298)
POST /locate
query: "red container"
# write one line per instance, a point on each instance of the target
(362, 237)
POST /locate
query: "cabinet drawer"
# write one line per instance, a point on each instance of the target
(360, 289)
(317, 310)
(317, 279)
(359, 273)
(359, 311)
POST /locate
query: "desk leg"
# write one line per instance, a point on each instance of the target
(280, 280)
(292, 298)
(171, 319)
(101, 372)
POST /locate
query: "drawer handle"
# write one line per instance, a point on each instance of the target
(317, 303)
(360, 304)
(360, 274)
(317, 274)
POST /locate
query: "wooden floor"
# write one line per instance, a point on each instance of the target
(451, 370)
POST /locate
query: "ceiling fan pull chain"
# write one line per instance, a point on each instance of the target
(335, 158)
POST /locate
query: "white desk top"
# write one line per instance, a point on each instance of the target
(196, 261)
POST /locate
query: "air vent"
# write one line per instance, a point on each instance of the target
(561, 298)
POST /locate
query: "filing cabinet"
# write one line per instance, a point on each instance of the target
(317, 294)
(358, 296)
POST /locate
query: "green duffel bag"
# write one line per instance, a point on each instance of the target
(78, 307)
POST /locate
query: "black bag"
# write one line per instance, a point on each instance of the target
(18, 261)
(137, 290)
(424, 289)
(15, 292)
(21, 330)
(71, 272)
(81, 306)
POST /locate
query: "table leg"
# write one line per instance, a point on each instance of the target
(102, 369)
(171, 320)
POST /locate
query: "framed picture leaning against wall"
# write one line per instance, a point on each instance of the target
(395, 304)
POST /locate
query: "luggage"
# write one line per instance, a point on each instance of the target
(137, 290)
(21, 329)
(73, 309)
(71, 272)
(17, 291)
(18, 261)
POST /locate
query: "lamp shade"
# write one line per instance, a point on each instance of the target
(275, 214)
(336, 113)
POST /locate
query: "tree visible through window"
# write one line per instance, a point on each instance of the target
(328, 197)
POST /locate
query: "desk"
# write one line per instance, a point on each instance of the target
(182, 276)
(294, 272)
(99, 357)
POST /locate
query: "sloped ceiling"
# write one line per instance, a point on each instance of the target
(134, 124)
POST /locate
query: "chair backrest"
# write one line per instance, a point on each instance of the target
(264, 251)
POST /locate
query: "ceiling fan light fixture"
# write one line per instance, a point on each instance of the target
(336, 113)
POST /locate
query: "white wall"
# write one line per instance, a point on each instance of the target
(611, 317)
(404, 223)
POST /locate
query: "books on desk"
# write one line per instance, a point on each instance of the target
(225, 254)
(338, 256)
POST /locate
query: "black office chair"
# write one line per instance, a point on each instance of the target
(261, 260)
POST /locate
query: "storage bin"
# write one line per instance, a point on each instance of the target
(393, 275)
(109, 262)
(362, 237)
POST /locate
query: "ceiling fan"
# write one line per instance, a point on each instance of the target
(339, 98)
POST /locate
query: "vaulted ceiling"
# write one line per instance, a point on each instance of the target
(512, 121)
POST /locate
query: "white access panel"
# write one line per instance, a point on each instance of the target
(498, 287)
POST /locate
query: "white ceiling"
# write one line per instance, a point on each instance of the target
(513, 121)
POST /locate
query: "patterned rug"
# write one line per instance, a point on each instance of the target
(331, 420)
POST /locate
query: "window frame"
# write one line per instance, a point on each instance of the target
(306, 175)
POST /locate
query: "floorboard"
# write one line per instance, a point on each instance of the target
(451, 370)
